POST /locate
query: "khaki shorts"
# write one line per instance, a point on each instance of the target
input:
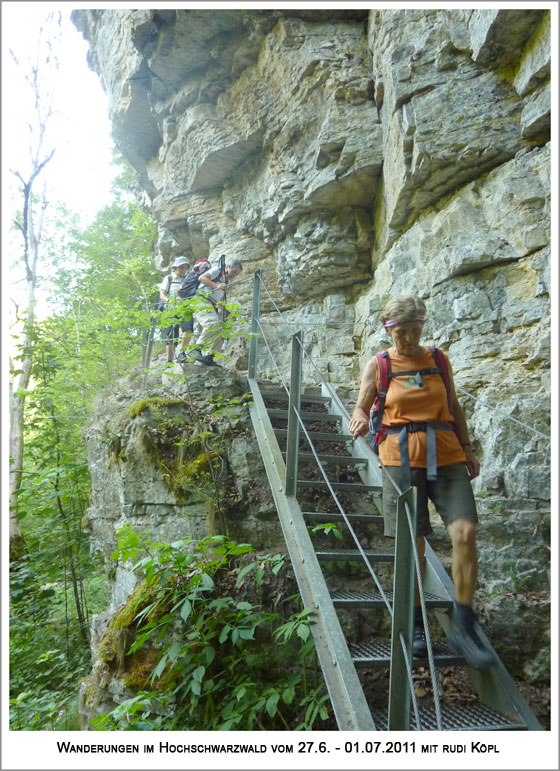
(451, 494)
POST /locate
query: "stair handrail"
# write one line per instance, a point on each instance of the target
(345, 517)
(258, 281)
(411, 520)
(395, 683)
(297, 340)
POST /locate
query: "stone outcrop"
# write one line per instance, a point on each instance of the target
(354, 155)
(178, 461)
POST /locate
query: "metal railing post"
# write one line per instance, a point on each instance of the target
(292, 440)
(253, 344)
(403, 605)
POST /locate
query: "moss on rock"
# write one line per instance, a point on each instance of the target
(18, 548)
(120, 633)
(154, 405)
(139, 672)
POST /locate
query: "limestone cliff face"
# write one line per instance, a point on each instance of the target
(353, 156)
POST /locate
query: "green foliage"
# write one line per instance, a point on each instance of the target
(47, 657)
(519, 583)
(328, 528)
(223, 663)
(228, 671)
(101, 282)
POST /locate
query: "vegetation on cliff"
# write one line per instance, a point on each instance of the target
(101, 285)
(197, 654)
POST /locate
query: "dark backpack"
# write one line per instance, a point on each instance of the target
(188, 285)
(377, 431)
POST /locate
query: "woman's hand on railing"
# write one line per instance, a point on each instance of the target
(358, 426)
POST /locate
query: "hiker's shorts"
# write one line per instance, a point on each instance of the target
(451, 493)
(172, 333)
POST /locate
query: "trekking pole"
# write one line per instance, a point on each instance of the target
(223, 277)
(147, 352)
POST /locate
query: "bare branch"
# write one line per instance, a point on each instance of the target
(18, 225)
(18, 175)
(41, 166)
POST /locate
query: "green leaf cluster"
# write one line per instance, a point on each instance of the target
(223, 663)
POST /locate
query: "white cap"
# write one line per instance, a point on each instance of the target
(180, 261)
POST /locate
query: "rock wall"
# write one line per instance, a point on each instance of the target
(151, 469)
(354, 155)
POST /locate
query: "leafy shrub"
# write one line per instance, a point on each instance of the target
(223, 663)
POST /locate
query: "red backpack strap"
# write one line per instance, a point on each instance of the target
(440, 362)
(376, 414)
(384, 364)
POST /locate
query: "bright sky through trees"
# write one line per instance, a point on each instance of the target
(79, 173)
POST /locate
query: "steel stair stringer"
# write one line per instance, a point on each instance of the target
(495, 687)
(345, 691)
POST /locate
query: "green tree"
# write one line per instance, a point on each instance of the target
(100, 281)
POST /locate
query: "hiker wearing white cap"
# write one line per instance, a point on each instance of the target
(168, 293)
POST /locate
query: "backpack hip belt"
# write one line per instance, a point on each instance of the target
(430, 428)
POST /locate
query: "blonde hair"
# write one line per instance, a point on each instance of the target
(403, 308)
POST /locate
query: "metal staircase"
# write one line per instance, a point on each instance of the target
(500, 706)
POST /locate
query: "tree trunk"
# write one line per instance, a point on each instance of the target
(32, 239)
(17, 541)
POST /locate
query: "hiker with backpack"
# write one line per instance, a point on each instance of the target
(168, 293)
(187, 290)
(211, 312)
(420, 432)
(173, 290)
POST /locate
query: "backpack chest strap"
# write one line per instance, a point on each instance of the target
(417, 374)
(430, 427)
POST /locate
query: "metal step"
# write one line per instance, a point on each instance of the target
(461, 717)
(344, 460)
(323, 417)
(325, 516)
(317, 436)
(349, 487)
(377, 654)
(345, 598)
(304, 398)
(353, 555)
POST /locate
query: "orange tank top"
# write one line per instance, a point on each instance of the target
(406, 402)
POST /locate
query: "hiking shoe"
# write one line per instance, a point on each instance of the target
(208, 360)
(181, 357)
(169, 363)
(196, 354)
(419, 647)
(465, 640)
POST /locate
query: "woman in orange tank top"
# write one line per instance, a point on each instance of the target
(420, 412)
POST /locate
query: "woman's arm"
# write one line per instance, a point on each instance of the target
(461, 428)
(359, 423)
